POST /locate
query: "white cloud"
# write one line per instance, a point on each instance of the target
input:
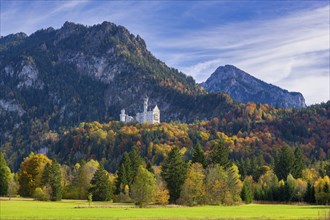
(282, 51)
(285, 51)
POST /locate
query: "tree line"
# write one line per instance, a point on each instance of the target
(207, 178)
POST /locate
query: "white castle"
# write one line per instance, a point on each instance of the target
(150, 117)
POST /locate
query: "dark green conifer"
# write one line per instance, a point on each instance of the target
(136, 161)
(284, 163)
(219, 153)
(56, 181)
(101, 188)
(174, 171)
(198, 155)
(299, 163)
(310, 193)
(124, 174)
(247, 194)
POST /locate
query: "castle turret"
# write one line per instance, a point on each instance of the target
(145, 104)
(122, 115)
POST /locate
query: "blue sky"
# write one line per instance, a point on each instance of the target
(282, 42)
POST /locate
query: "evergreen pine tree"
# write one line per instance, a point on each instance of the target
(174, 171)
(149, 168)
(101, 188)
(55, 181)
(4, 175)
(326, 187)
(198, 155)
(247, 194)
(299, 163)
(219, 153)
(136, 162)
(284, 163)
(310, 193)
(124, 174)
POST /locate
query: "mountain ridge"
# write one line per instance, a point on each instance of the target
(57, 79)
(245, 88)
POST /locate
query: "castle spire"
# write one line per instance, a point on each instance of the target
(145, 104)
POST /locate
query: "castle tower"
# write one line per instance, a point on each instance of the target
(145, 104)
(156, 115)
(122, 115)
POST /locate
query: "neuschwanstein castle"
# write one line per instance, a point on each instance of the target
(150, 117)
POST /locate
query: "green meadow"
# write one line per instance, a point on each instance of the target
(73, 209)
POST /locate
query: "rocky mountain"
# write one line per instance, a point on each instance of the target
(243, 87)
(56, 78)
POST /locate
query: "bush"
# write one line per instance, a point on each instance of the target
(322, 198)
(41, 194)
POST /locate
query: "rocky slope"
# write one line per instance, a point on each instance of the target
(56, 78)
(246, 88)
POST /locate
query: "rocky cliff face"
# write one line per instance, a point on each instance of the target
(246, 88)
(58, 78)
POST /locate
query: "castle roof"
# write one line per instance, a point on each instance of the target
(156, 108)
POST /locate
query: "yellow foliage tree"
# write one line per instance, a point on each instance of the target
(193, 190)
(30, 174)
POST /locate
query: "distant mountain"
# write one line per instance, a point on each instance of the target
(243, 87)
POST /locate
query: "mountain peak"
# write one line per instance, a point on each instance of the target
(246, 88)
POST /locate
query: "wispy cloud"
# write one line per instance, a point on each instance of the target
(288, 51)
(281, 43)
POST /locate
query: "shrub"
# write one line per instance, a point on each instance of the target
(41, 194)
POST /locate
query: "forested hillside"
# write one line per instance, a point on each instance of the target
(251, 130)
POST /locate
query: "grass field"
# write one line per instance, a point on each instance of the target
(72, 209)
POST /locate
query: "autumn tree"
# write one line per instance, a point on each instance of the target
(31, 172)
(174, 171)
(193, 190)
(162, 194)
(101, 187)
(144, 187)
(322, 191)
(216, 184)
(234, 185)
(13, 185)
(4, 175)
(82, 179)
(267, 186)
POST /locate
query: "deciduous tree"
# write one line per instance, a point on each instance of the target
(4, 175)
(30, 174)
(193, 190)
(144, 187)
